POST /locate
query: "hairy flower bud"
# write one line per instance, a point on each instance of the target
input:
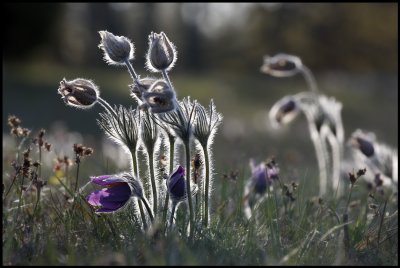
(117, 49)
(281, 65)
(80, 93)
(162, 54)
(160, 98)
(143, 85)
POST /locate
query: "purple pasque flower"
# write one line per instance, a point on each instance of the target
(116, 195)
(259, 177)
(176, 184)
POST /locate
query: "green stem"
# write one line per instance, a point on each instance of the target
(153, 180)
(171, 169)
(207, 186)
(188, 192)
(77, 174)
(348, 199)
(146, 204)
(382, 218)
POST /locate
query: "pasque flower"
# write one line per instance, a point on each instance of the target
(281, 65)
(161, 54)
(119, 189)
(79, 93)
(117, 49)
(176, 184)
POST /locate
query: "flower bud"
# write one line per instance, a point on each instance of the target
(176, 184)
(162, 54)
(160, 98)
(80, 93)
(143, 85)
(117, 49)
(281, 65)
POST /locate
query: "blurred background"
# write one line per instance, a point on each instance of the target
(351, 48)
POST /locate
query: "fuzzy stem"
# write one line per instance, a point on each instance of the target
(146, 204)
(153, 180)
(166, 77)
(188, 192)
(107, 107)
(207, 186)
(135, 169)
(321, 159)
(310, 79)
(171, 169)
(171, 218)
(132, 72)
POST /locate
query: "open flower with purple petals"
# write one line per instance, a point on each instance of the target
(119, 189)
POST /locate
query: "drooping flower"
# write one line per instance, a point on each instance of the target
(119, 189)
(79, 93)
(141, 86)
(281, 65)
(117, 49)
(160, 98)
(162, 54)
(284, 111)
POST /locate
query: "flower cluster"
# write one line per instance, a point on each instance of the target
(159, 121)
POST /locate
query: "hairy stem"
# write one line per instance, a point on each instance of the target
(135, 170)
(207, 186)
(153, 180)
(188, 192)
(171, 169)
(132, 72)
(146, 204)
(171, 218)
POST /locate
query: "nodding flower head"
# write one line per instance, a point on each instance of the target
(160, 98)
(364, 142)
(117, 49)
(162, 54)
(281, 65)
(176, 184)
(80, 93)
(141, 86)
(119, 189)
(284, 111)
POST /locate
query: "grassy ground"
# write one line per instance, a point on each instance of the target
(307, 231)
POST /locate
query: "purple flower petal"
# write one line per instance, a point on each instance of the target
(110, 199)
(106, 180)
(259, 175)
